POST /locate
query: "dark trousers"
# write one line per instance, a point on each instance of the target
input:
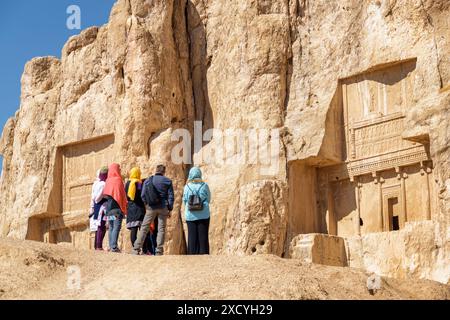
(100, 235)
(147, 246)
(154, 237)
(198, 240)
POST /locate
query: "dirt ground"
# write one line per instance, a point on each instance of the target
(33, 270)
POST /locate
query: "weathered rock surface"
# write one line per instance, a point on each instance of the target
(413, 251)
(32, 270)
(110, 80)
(320, 249)
(158, 66)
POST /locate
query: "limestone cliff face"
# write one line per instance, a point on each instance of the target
(158, 66)
(129, 78)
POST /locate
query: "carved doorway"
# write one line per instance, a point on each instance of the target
(393, 215)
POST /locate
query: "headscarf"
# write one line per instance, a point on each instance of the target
(195, 175)
(135, 177)
(114, 187)
(102, 174)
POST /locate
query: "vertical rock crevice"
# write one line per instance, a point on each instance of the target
(199, 63)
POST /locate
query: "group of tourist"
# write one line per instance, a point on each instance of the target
(147, 204)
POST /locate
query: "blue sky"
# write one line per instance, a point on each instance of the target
(30, 28)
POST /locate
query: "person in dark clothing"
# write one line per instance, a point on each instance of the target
(162, 187)
(136, 208)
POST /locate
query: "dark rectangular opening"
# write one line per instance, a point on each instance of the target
(395, 225)
(393, 207)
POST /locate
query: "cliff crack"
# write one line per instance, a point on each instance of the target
(436, 49)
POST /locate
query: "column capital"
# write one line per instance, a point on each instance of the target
(377, 178)
(424, 168)
(398, 171)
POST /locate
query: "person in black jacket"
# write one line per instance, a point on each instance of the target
(159, 205)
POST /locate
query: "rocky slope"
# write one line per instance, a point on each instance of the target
(29, 270)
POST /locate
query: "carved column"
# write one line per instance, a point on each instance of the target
(402, 176)
(332, 223)
(346, 118)
(358, 209)
(352, 142)
(425, 171)
(379, 180)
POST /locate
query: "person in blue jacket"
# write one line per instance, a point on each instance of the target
(196, 198)
(161, 188)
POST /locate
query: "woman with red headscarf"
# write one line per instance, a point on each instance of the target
(116, 206)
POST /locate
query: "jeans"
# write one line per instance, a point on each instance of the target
(198, 240)
(114, 230)
(150, 215)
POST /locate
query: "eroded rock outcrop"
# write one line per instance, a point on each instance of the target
(354, 94)
(107, 99)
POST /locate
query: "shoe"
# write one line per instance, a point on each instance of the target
(117, 250)
(159, 254)
(135, 252)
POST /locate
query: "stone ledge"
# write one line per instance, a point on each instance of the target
(414, 251)
(319, 248)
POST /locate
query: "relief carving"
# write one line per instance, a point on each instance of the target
(386, 175)
(80, 161)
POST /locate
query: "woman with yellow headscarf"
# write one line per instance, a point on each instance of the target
(136, 207)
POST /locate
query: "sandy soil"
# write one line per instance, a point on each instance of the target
(32, 270)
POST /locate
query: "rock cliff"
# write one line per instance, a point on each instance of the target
(349, 101)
